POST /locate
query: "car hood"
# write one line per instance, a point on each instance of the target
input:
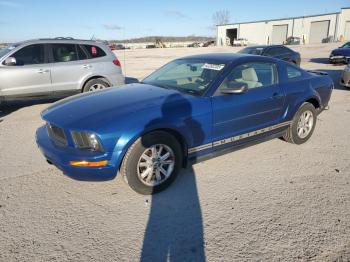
(341, 52)
(117, 104)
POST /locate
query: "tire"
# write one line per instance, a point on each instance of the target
(292, 135)
(133, 167)
(95, 84)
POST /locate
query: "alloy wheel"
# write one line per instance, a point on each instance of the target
(305, 124)
(96, 87)
(156, 165)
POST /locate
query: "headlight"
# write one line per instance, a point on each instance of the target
(86, 140)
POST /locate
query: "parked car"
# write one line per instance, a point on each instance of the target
(189, 109)
(55, 68)
(209, 43)
(340, 55)
(276, 51)
(196, 44)
(240, 42)
(293, 40)
(345, 78)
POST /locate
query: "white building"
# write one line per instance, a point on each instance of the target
(310, 29)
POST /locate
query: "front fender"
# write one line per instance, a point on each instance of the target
(129, 136)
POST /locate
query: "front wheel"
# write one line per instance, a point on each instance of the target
(152, 163)
(302, 126)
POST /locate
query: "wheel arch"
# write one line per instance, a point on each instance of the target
(175, 133)
(84, 82)
(293, 109)
(314, 102)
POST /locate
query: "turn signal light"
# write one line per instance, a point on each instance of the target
(88, 164)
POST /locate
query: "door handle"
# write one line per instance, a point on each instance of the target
(43, 71)
(87, 66)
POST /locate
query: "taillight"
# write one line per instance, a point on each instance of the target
(117, 62)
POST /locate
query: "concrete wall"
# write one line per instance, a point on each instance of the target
(260, 32)
(302, 25)
(255, 33)
(343, 18)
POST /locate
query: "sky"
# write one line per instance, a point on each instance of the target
(114, 19)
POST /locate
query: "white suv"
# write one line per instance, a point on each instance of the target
(56, 68)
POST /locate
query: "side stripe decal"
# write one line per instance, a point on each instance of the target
(237, 138)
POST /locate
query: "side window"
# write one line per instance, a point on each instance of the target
(94, 51)
(64, 53)
(293, 72)
(275, 51)
(271, 51)
(81, 53)
(285, 50)
(255, 75)
(30, 55)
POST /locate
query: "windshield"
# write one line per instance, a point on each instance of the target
(6, 50)
(347, 45)
(185, 75)
(251, 50)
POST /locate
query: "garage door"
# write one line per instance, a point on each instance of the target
(347, 31)
(319, 31)
(279, 34)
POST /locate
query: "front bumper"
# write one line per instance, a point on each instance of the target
(345, 79)
(61, 156)
(339, 59)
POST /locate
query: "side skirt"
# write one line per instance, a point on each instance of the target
(38, 96)
(234, 147)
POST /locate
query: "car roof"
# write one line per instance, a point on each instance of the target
(265, 46)
(60, 40)
(225, 57)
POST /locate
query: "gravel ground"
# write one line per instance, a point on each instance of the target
(270, 202)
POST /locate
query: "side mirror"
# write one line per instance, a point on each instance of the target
(235, 88)
(10, 61)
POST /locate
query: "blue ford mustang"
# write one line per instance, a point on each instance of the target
(191, 108)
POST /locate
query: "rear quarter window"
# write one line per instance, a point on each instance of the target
(94, 51)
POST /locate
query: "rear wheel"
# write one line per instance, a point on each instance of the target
(152, 163)
(95, 84)
(302, 126)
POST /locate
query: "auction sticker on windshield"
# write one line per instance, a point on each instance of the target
(213, 66)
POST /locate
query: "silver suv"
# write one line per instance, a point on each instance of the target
(56, 68)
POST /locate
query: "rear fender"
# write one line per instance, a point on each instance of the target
(309, 94)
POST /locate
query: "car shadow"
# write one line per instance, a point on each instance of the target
(335, 75)
(174, 230)
(320, 60)
(324, 60)
(8, 108)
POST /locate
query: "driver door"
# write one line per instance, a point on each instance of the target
(260, 106)
(30, 76)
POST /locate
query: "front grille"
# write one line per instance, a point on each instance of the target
(57, 134)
